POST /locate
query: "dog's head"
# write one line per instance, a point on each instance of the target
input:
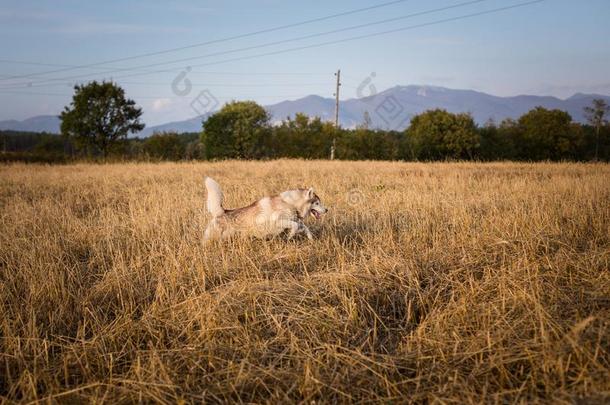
(306, 202)
(313, 204)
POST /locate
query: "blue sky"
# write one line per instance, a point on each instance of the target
(556, 47)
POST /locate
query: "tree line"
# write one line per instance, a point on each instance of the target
(100, 117)
(242, 130)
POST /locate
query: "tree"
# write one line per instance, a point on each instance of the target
(497, 141)
(301, 137)
(438, 134)
(164, 146)
(237, 131)
(546, 134)
(193, 150)
(367, 122)
(596, 115)
(100, 116)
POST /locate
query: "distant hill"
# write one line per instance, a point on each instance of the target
(394, 107)
(390, 109)
(40, 123)
(190, 125)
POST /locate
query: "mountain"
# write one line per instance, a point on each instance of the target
(390, 109)
(40, 123)
(394, 107)
(310, 105)
(190, 125)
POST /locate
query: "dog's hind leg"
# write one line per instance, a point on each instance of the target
(209, 233)
(214, 230)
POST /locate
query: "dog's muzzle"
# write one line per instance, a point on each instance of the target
(317, 214)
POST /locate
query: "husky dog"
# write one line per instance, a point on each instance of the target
(268, 216)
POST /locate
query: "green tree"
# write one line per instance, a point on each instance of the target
(193, 150)
(438, 134)
(164, 146)
(301, 137)
(100, 116)
(546, 134)
(596, 115)
(238, 130)
(368, 144)
(51, 146)
(497, 141)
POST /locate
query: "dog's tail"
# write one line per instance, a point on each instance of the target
(214, 202)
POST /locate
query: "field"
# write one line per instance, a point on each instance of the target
(446, 283)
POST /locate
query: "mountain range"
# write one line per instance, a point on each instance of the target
(390, 109)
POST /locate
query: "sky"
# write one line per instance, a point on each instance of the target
(181, 58)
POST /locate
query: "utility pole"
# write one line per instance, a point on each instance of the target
(332, 148)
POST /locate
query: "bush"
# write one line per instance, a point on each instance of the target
(237, 131)
(164, 146)
(438, 134)
(546, 134)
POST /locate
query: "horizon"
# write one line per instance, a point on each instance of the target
(357, 98)
(484, 46)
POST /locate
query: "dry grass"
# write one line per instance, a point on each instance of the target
(452, 283)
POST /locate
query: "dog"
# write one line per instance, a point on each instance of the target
(269, 216)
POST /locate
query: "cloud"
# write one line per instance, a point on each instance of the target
(161, 104)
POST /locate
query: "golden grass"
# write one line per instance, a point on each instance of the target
(448, 283)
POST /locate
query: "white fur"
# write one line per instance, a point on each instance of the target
(215, 197)
(269, 216)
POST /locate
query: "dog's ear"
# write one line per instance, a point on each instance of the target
(310, 193)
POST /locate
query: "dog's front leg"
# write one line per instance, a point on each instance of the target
(305, 229)
(294, 228)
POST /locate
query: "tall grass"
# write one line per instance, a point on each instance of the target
(449, 283)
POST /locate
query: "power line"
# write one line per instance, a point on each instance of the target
(148, 97)
(112, 69)
(200, 44)
(300, 38)
(191, 72)
(57, 82)
(349, 39)
(370, 35)
(318, 34)
(165, 84)
(68, 67)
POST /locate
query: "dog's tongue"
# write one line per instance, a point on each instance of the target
(316, 214)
